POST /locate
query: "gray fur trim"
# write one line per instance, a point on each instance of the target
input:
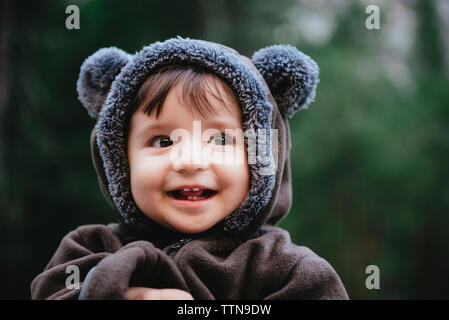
(256, 114)
(291, 75)
(96, 75)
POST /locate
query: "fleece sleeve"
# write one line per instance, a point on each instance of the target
(312, 278)
(83, 248)
(138, 263)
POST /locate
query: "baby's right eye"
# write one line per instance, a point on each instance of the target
(161, 142)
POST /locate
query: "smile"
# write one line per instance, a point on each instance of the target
(193, 194)
(192, 197)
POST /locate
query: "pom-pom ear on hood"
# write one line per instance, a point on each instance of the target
(96, 75)
(291, 76)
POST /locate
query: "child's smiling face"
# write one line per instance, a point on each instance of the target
(160, 185)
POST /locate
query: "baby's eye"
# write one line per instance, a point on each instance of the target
(221, 139)
(161, 142)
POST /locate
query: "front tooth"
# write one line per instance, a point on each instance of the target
(186, 189)
(192, 198)
(196, 189)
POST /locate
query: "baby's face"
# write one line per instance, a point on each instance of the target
(163, 170)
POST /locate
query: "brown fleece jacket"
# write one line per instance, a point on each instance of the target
(243, 257)
(267, 267)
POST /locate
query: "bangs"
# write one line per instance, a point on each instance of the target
(202, 92)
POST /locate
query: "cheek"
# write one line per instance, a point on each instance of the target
(235, 174)
(234, 177)
(146, 174)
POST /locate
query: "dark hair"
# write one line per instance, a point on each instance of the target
(196, 89)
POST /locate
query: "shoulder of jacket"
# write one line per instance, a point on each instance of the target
(310, 269)
(96, 234)
(89, 229)
(283, 240)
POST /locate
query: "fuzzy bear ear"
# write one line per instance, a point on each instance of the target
(96, 76)
(291, 76)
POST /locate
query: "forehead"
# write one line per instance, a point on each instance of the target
(179, 110)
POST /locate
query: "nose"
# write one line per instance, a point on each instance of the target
(190, 158)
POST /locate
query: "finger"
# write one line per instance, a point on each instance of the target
(136, 293)
(168, 294)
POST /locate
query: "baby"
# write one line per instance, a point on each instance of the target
(191, 148)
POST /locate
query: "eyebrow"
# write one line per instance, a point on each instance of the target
(205, 124)
(155, 125)
(222, 124)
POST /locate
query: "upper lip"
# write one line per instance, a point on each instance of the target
(191, 187)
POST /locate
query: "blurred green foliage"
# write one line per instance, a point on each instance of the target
(369, 157)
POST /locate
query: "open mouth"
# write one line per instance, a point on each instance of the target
(194, 194)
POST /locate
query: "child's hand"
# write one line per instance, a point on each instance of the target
(143, 293)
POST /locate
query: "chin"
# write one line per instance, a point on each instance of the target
(191, 229)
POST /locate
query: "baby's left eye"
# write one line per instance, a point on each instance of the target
(221, 139)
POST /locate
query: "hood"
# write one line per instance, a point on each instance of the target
(271, 87)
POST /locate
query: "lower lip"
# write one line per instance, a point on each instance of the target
(193, 204)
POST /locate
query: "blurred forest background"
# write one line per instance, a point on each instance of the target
(370, 156)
